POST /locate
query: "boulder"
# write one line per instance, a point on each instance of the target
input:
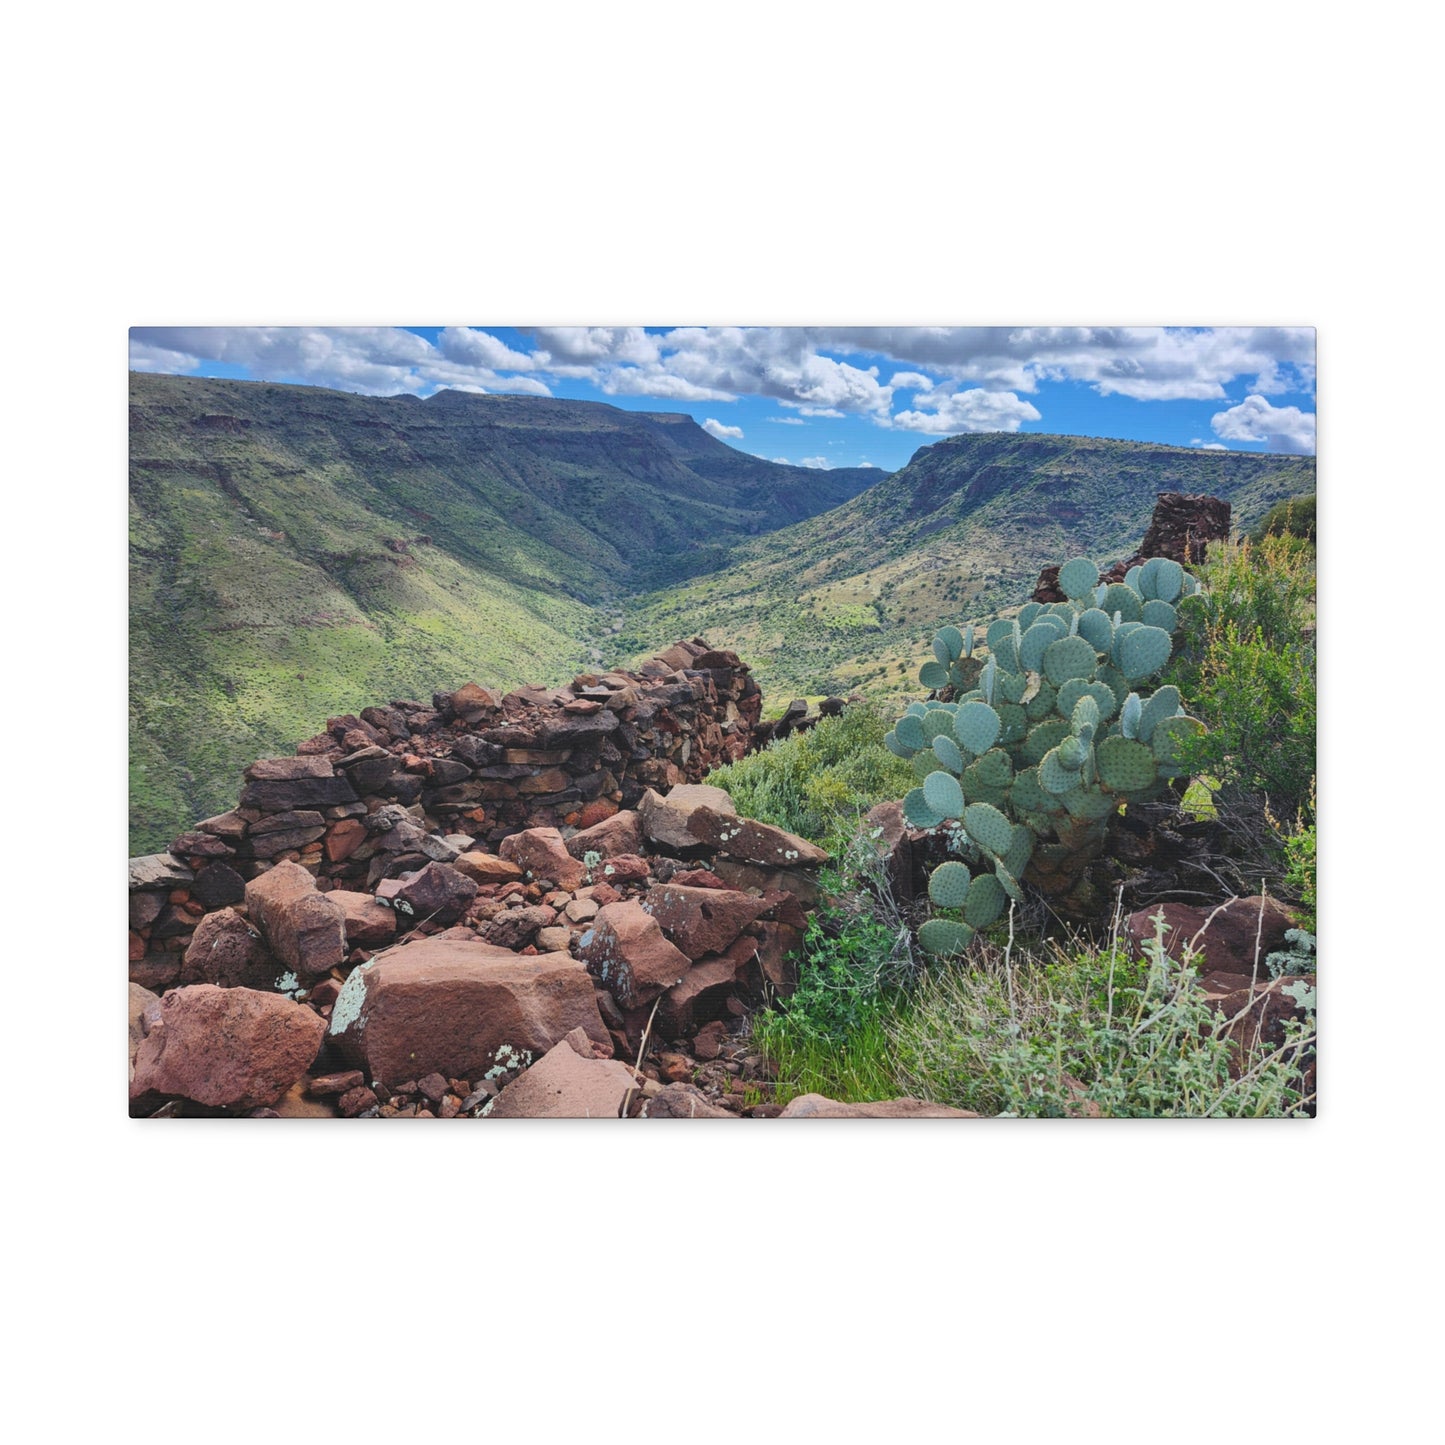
(158, 870)
(665, 819)
(542, 853)
(303, 927)
(460, 1007)
(227, 951)
(226, 1047)
(702, 920)
(517, 927)
(623, 868)
(439, 894)
(817, 1106)
(139, 1002)
(217, 886)
(621, 833)
(568, 1082)
(752, 842)
(626, 949)
(1225, 937)
(702, 992)
(364, 922)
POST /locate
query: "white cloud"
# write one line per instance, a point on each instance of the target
(821, 464)
(145, 357)
(786, 420)
(968, 411)
(910, 381)
(1280, 428)
(1205, 446)
(653, 381)
(471, 347)
(783, 461)
(722, 433)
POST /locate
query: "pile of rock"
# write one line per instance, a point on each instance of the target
(1182, 527)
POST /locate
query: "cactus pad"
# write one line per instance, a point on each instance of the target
(936, 720)
(1026, 795)
(988, 827)
(1160, 614)
(1038, 637)
(924, 763)
(943, 795)
(977, 727)
(942, 937)
(1006, 653)
(1124, 600)
(890, 741)
(948, 885)
(909, 731)
(1129, 716)
(1068, 657)
(933, 675)
(1096, 629)
(1043, 736)
(1076, 688)
(916, 812)
(998, 629)
(916, 709)
(1162, 703)
(1085, 714)
(1014, 723)
(985, 901)
(1143, 652)
(1009, 884)
(1125, 766)
(1041, 704)
(1028, 614)
(1071, 753)
(995, 768)
(951, 640)
(1078, 578)
(947, 753)
(1020, 850)
(1054, 777)
(1168, 737)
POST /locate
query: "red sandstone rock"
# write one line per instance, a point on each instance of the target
(486, 868)
(621, 833)
(227, 951)
(665, 819)
(302, 926)
(568, 1082)
(542, 853)
(226, 1046)
(517, 927)
(365, 922)
(1227, 940)
(439, 894)
(703, 992)
(752, 842)
(682, 1101)
(460, 1008)
(140, 1001)
(622, 869)
(702, 920)
(626, 949)
(343, 839)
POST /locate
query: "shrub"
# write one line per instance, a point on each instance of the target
(1294, 517)
(1091, 1032)
(817, 784)
(1299, 852)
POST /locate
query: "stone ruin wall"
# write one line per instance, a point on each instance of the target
(380, 795)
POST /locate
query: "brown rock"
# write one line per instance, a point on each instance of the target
(227, 951)
(702, 992)
(702, 920)
(626, 949)
(622, 869)
(460, 1008)
(568, 1082)
(517, 927)
(486, 868)
(708, 1041)
(343, 839)
(304, 928)
(356, 1101)
(582, 910)
(335, 1084)
(541, 853)
(1225, 937)
(226, 1046)
(816, 1106)
(439, 893)
(619, 833)
(682, 1101)
(665, 819)
(217, 885)
(554, 940)
(365, 922)
(752, 842)
(139, 1002)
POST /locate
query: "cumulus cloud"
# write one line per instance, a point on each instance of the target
(471, 347)
(821, 464)
(1205, 446)
(910, 381)
(1280, 428)
(968, 411)
(722, 433)
(787, 421)
(145, 357)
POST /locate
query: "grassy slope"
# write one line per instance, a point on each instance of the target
(959, 532)
(297, 553)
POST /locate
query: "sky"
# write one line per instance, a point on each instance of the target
(832, 396)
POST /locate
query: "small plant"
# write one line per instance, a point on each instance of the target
(1046, 741)
(590, 859)
(1299, 852)
(1298, 957)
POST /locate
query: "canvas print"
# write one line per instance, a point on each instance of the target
(719, 723)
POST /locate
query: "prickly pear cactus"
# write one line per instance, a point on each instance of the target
(1049, 732)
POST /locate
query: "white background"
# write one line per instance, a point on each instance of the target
(754, 163)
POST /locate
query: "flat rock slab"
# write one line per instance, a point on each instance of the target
(158, 870)
(817, 1106)
(487, 868)
(621, 833)
(459, 1007)
(568, 1082)
(625, 948)
(752, 842)
(365, 922)
(225, 1046)
(304, 929)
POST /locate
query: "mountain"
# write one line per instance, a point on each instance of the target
(850, 598)
(297, 553)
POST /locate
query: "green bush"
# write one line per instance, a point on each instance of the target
(1247, 662)
(1091, 1032)
(1294, 517)
(818, 783)
(1299, 853)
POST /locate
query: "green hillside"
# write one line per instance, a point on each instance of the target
(297, 553)
(849, 599)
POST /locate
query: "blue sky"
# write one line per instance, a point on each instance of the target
(817, 396)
